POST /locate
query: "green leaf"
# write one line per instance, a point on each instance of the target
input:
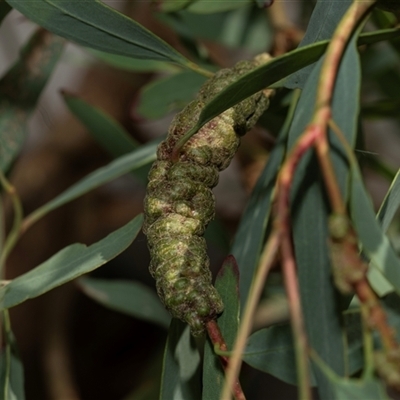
(168, 94)
(106, 130)
(323, 22)
(209, 7)
(11, 371)
(20, 89)
(180, 378)
(133, 64)
(94, 24)
(272, 73)
(131, 298)
(122, 165)
(390, 204)
(227, 284)
(374, 242)
(68, 264)
(271, 350)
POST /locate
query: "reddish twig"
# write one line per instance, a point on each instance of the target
(217, 339)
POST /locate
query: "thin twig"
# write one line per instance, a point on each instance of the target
(266, 261)
(218, 341)
(18, 215)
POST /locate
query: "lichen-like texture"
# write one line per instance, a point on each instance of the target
(179, 202)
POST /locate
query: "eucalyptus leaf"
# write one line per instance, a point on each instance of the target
(133, 64)
(323, 22)
(273, 73)
(20, 89)
(94, 24)
(106, 130)
(180, 377)
(390, 204)
(227, 285)
(122, 165)
(131, 298)
(68, 264)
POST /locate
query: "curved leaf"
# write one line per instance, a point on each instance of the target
(98, 26)
(133, 64)
(131, 298)
(106, 130)
(122, 165)
(272, 74)
(68, 264)
(180, 377)
(323, 22)
(390, 203)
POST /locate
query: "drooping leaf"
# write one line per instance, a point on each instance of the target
(20, 89)
(94, 24)
(322, 24)
(180, 378)
(374, 242)
(227, 284)
(168, 94)
(134, 64)
(272, 73)
(122, 165)
(131, 298)
(390, 204)
(106, 130)
(68, 264)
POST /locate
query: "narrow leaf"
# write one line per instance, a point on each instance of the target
(98, 26)
(122, 165)
(227, 284)
(133, 64)
(374, 242)
(322, 24)
(131, 298)
(272, 73)
(20, 89)
(180, 378)
(390, 204)
(68, 264)
(106, 130)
